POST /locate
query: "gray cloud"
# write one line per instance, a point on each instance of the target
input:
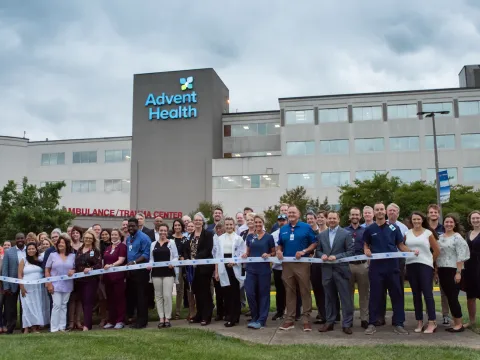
(66, 68)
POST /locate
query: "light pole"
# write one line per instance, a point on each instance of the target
(431, 114)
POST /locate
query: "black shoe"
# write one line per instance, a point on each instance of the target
(229, 324)
(277, 316)
(161, 325)
(320, 321)
(452, 330)
(379, 322)
(364, 324)
(347, 330)
(167, 324)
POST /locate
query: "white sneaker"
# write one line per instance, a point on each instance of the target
(119, 326)
(108, 326)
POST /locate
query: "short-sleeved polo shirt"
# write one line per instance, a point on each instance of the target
(303, 237)
(383, 239)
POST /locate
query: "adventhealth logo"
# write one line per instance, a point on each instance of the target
(187, 84)
(155, 104)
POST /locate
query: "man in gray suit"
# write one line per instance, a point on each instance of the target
(10, 269)
(336, 243)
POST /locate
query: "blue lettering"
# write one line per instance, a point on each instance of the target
(152, 112)
(192, 111)
(179, 112)
(161, 99)
(178, 99)
(150, 100)
(164, 114)
(194, 97)
(174, 113)
(169, 99)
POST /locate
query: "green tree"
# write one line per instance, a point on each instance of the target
(408, 196)
(297, 196)
(367, 192)
(206, 208)
(28, 208)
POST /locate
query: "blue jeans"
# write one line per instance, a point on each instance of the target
(420, 277)
(257, 288)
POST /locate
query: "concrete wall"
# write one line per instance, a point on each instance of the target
(172, 159)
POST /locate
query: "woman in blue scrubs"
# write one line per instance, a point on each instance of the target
(257, 282)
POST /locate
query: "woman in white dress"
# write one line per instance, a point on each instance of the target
(34, 298)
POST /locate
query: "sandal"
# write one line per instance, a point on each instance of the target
(167, 324)
(161, 325)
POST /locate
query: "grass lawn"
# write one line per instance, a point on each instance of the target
(196, 344)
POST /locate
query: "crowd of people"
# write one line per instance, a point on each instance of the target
(442, 253)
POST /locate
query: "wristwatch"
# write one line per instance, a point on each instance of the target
(305, 251)
(134, 262)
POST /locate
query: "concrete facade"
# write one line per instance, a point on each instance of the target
(173, 158)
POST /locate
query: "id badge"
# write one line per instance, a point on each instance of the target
(392, 227)
(292, 237)
(130, 248)
(91, 253)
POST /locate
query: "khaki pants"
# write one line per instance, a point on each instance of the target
(360, 277)
(293, 274)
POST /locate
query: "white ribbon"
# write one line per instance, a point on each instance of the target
(236, 260)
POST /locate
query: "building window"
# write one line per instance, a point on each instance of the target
(245, 181)
(366, 113)
(333, 115)
(446, 106)
(369, 145)
(300, 148)
(253, 154)
(471, 141)
(471, 175)
(84, 157)
(117, 185)
(407, 176)
(84, 186)
(53, 159)
(114, 156)
(260, 129)
(402, 111)
(443, 142)
(306, 180)
(452, 175)
(334, 147)
(367, 174)
(467, 108)
(330, 179)
(407, 143)
(299, 117)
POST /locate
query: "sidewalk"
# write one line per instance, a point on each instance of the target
(271, 335)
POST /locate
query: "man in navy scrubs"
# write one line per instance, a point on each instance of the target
(381, 237)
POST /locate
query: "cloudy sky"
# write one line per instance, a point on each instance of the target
(66, 67)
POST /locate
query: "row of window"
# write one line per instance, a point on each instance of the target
(255, 129)
(366, 113)
(403, 143)
(85, 157)
(86, 186)
(471, 175)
